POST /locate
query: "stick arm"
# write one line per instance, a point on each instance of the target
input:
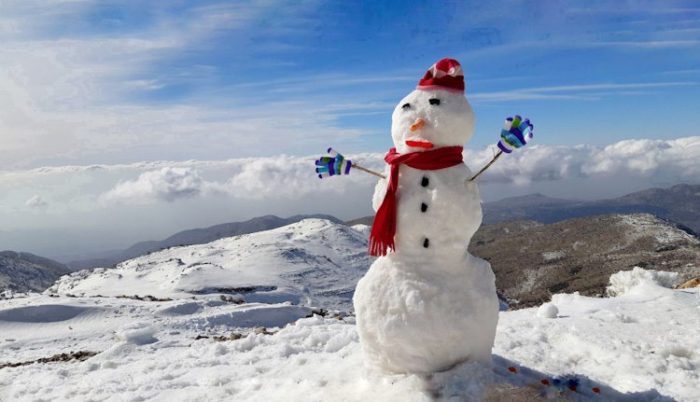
(482, 170)
(488, 165)
(364, 169)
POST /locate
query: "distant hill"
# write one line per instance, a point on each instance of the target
(680, 204)
(532, 260)
(25, 272)
(195, 236)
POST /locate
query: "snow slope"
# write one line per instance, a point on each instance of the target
(639, 346)
(311, 262)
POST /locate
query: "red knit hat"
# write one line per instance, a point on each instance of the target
(445, 74)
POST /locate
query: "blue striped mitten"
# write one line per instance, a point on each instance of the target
(332, 165)
(515, 133)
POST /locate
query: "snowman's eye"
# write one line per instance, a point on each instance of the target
(406, 106)
(434, 101)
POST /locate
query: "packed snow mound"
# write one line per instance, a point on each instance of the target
(311, 262)
(623, 281)
(547, 310)
(138, 334)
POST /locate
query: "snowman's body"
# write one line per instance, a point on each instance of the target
(430, 304)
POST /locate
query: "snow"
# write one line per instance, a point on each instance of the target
(258, 343)
(547, 310)
(640, 346)
(622, 282)
(139, 334)
(364, 229)
(643, 339)
(311, 262)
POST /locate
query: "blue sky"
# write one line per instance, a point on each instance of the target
(126, 120)
(585, 72)
(588, 72)
(257, 71)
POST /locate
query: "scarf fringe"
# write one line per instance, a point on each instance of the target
(378, 248)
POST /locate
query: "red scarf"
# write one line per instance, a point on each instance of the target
(384, 226)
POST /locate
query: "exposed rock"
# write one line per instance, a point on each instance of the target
(533, 260)
(691, 283)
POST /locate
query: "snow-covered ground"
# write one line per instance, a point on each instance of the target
(639, 346)
(240, 325)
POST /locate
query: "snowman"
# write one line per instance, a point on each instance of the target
(427, 304)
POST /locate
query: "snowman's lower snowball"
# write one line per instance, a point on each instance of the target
(425, 321)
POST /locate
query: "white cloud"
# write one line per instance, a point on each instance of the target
(35, 202)
(292, 178)
(672, 160)
(293, 175)
(166, 184)
(653, 44)
(257, 179)
(581, 92)
(69, 97)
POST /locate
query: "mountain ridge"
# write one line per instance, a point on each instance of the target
(194, 236)
(679, 203)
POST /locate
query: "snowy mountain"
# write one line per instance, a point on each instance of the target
(25, 272)
(581, 254)
(193, 236)
(234, 320)
(638, 346)
(312, 262)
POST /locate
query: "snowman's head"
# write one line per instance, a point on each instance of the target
(436, 114)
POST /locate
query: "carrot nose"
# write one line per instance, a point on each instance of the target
(418, 125)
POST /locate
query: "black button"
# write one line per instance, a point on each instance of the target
(426, 243)
(424, 182)
(423, 207)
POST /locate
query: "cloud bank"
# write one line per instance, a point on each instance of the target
(101, 207)
(166, 184)
(292, 177)
(677, 159)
